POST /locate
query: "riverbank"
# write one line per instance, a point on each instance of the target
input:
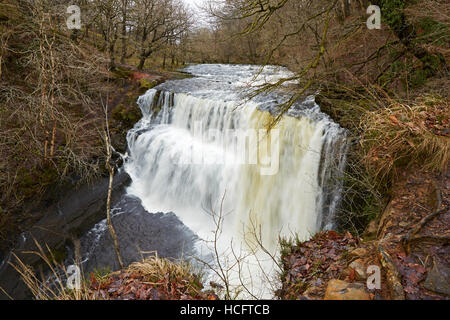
(408, 242)
(153, 278)
(395, 203)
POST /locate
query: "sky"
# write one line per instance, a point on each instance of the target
(195, 4)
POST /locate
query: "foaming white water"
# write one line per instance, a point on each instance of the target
(298, 196)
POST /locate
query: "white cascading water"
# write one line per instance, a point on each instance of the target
(183, 159)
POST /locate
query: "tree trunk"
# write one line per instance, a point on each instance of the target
(144, 56)
(124, 31)
(112, 62)
(141, 62)
(345, 8)
(405, 32)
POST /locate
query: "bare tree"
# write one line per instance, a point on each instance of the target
(125, 6)
(108, 22)
(158, 23)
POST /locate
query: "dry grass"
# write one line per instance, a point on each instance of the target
(172, 278)
(403, 135)
(154, 269)
(52, 287)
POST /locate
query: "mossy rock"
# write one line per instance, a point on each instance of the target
(31, 181)
(146, 84)
(48, 176)
(126, 115)
(28, 184)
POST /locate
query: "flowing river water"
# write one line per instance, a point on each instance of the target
(203, 151)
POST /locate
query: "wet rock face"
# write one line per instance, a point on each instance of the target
(72, 215)
(139, 234)
(341, 290)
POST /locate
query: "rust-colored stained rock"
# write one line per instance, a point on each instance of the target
(341, 290)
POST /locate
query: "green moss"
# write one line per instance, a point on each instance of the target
(48, 176)
(370, 237)
(131, 98)
(33, 180)
(371, 211)
(147, 84)
(343, 109)
(126, 115)
(27, 183)
(286, 247)
(57, 256)
(431, 64)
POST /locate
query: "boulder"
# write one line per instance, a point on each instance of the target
(360, 269)
(341, 290)
(358, 252)
(438, 279)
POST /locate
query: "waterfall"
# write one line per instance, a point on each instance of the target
(193, 149)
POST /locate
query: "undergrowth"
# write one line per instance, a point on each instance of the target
(173, 279)
(402, 135)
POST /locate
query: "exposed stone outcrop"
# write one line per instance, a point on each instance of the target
(341, 290)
